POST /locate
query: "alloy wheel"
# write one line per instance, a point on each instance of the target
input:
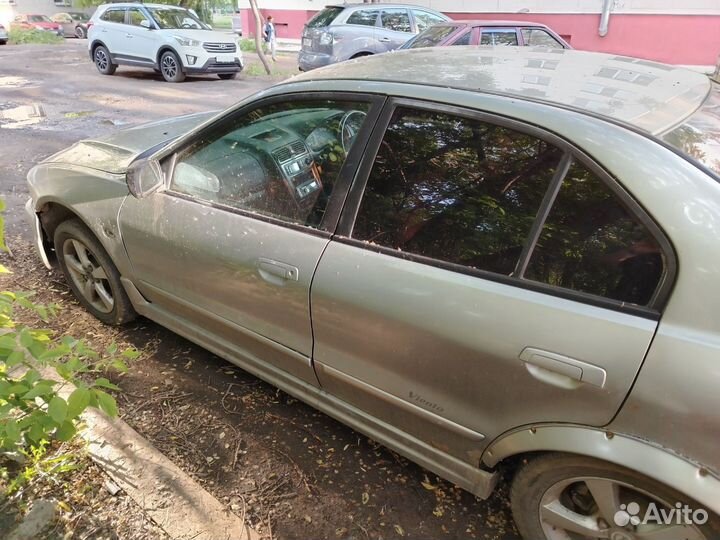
(88, 276)
(169, 66)
(101, 59)
(586, 508)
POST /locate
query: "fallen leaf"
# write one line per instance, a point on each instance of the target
(399, 530)
(365, 498)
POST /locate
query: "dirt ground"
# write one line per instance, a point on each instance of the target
(292, 471)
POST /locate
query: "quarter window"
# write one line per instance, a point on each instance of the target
(114, 16)
(364, 17)
(455, 189)
(281, 160)
(396, 19)
(591, 243)
(423, 19)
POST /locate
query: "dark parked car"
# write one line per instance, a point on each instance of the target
(498, 33)
(3, 35)
(73, 23)
(345, 31)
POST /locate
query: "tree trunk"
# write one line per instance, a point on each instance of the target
(258, 35)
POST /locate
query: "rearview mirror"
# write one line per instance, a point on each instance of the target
(144, 177)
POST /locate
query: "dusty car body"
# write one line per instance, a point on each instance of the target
(73, 23)
(510, 260)
(33, 21)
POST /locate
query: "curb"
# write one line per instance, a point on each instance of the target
(170, 497)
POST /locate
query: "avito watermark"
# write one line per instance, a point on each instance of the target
(629, 514)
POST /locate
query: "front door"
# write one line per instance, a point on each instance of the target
(232, 244)
(140, 41)
(484, 279)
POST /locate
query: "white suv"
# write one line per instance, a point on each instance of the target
(169, 39)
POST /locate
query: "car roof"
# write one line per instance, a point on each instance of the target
(139, 4)
(367, 5)
(649, 95)
(490, 22)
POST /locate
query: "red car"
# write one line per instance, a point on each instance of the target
(36, 22)
(512, 33)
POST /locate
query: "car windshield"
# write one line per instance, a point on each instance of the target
(82, 17)
(169, 18)
(325, 17)
(38, 18)
(431, 36)
(699, 135)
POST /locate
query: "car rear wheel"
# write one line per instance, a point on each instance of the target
(80, 32)
(569, 497)
(91, 274)
(171, 68)
(103, 62)
(227, 76)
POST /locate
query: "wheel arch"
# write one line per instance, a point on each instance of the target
(360, 54)
(673, 470)
(165, 48)
(95, 44)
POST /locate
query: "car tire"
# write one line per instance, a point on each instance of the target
(80, 32)
(171, 67)
(555, 480)
(227, 76)
(103, 62)
(91, 274)
(3, 41)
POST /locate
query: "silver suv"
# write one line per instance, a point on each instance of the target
(347, 31)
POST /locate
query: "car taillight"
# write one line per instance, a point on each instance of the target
(88, 25)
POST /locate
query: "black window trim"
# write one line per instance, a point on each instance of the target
(350, 210)
(344, 181)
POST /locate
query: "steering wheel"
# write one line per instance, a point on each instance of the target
(347, 130)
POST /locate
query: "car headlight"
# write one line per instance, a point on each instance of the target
(326, 38)
(185, 42)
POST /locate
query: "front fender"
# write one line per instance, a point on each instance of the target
(675, 471)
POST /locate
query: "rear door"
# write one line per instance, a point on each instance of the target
(112, 30)
(395, 28)
(484, 277)
(230, 247)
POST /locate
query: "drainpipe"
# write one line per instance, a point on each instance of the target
(605, 17)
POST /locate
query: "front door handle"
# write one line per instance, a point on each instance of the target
(270, 270)
(559, 364)
(128, 35)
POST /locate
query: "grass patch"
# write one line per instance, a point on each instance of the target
(23, 37)
(222, 22)
(247, 45)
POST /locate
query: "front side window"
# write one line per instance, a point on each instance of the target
(423, 19)
(432, 36)
(39, 18)
(281, 160)
(114, 16)
(591, 243)
(455, 189)
(137, 17)
(176, 18)
(535, 37)
(396, 19)
(499, 38)
(364, 17)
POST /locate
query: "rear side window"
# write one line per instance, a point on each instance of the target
(535, 37)
(455, 189)
(424, 19)
(591, 243)
(116, 15)
(432, 36)
(396, 19)
(499, 37)
(364, 17)
(324, 17)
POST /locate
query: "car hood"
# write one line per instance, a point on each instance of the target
(115, 152)
(203, 35)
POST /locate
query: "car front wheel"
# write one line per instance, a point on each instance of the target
(569, 497)
(171, 68)
(103, 63)
(91, 274)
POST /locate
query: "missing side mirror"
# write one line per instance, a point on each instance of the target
(144, 177)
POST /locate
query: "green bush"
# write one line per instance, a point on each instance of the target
(247, 45)
(31, 410)
(19, 36)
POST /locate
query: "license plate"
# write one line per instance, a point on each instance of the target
(225, 59)
(307, 42)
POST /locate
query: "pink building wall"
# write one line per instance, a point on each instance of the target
(675, 39)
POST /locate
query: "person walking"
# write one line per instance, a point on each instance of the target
(270, 37)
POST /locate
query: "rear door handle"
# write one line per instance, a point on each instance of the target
(270, 270)
(538, 362)
(128, 35)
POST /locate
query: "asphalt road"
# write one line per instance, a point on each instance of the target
(342, 485)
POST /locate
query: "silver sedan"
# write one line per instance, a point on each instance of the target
(477, 257)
